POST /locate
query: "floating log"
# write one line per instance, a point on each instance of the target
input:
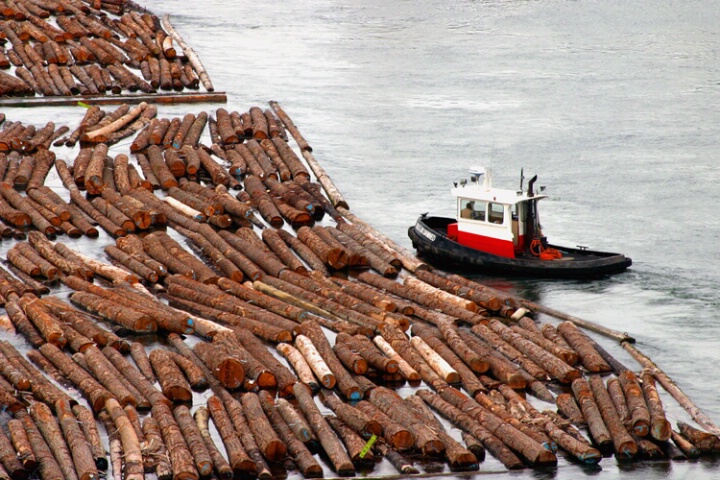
(532, 451)
(404, 368)
(672, 388)
(48, 466)
(132, 319)
(194, 440)
(301, 366)
(598, 430)
(240, 423)
(335, 451)
(354, 444)
(345, 383)
(95, 393)
(108, 376)
(172, 382)
(685, 441)
(221, 466)
(351, 416)
(659, 426)
(296, 448)
(437, 362)
(401, 344)
(589, 357)
(51, 432)
(569, 408)
(237, 456)
(225, 366)
(77, 443)
(392, 405)
(193, 373)
(134, 377)
(180, 457)
(87, 423)
(638, 413)
(557, 368)
(625, 445)
(270, 445)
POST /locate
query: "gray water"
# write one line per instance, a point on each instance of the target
(614, 104)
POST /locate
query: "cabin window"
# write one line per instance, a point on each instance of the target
(472, 209)
(496, 213)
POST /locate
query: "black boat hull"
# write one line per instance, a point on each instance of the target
(429, 238)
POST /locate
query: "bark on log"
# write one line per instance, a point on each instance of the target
(308, 466)
(238, 458)
(77, 443)
(659, 426)
(221, 466)
(591, 412)
(155, 449)
(48, 467)
(639, 415)
(625, 445)
(51, 432)
(225, 366)
(194, 440)
(180, 457)
(334, 449)
(351, 416)
(270, 445)
(172, 382)
(579, 342)
(87, 423)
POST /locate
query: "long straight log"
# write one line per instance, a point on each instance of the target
(335, 451)
(174, 385)
(180, 457)
(194, 440)
(87, 423)
(220, 464)
(591, 412)
(50, 430)
(671, 387)
(345, 382)
(237, 456)
(77, 443)
(532, 451)
(240, 422)
(134, 377)
(659, 426)
(48, 467)
(351, 416)
(625, 445)
(296, 448)
(302, 368)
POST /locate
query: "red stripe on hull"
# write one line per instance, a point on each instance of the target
(494, 246)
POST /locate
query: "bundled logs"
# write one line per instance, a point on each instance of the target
(66, 49)
(189, 264)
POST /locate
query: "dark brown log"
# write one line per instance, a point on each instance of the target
(87, 423)
(261, 376)
(556, 367)
(134, 377)
(659, 426)
(193, 373)
(194, 440)
(240, 423)
(10, 461)
(51, 432)
(519, 442)
(77, 443)
(296, 448)
(132, 319)
(270, 445)
(368, 351)
(22, 324)
(109, 377)
(48, 466)
(509, 351)
(625, 445)
(22, 450)
(598, 430)
(284, 377)
(639, 415)
(459, 457)
(174, 385)
(704, 442)
(567, 355)
(351, 416)
(354, 444)
(180, 457)
(392, 405)
(156, 454)
(226, 367)
(579, 342)
(95, 393)
(569, 408)
(398, 436)
(237, 456)
(303, 251)
(47, 269)
(48, 326)
(218, 174)
(335, 451)
(220, 464)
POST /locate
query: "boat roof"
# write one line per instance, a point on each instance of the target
(478, 191)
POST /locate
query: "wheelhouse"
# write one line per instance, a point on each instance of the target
(498, 221)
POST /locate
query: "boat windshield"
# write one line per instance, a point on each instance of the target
(472, 209)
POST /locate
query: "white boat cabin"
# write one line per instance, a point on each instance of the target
(497, 221)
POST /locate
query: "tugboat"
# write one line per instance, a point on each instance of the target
(498, 231)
